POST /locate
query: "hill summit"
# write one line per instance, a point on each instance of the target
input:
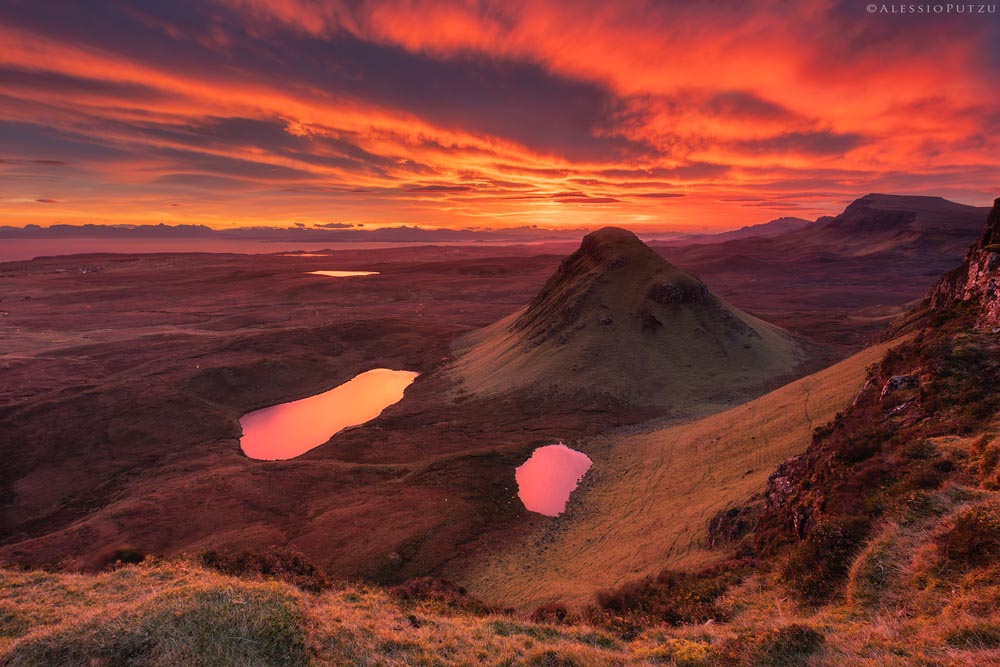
(618, 320)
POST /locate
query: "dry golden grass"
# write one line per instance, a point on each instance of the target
(175, 613)
(166, 615)
(646, 503)
(909, 602)
(180, 614)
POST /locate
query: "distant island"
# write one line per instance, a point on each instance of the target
(333, 232)
(347, 232)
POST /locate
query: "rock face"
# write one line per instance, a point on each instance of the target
(897, 382)
(618, 320)
(915, 390)
(977, 280)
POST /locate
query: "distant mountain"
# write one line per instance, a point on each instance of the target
(333, 233)
(879, 222)
(882, 251)
(346, 232)
(873, 223)
(109, 231)
(617, 319)
(775, 227)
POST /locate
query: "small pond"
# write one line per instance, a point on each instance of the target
(546, 480)
(291, 429)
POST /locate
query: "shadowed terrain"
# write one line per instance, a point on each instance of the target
(132, 377)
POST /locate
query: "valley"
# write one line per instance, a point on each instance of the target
(125, 378)
(687, 418)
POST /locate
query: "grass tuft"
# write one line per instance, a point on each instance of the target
(974, 636)
(257, 625)
(279, 564)
(790, 646)
(973, 538)
(819, 565)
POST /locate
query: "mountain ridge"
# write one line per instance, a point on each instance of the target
(872, 223)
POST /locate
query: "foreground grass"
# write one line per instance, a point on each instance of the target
(177, 613)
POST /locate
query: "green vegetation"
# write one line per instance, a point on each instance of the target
(280, 564)
(916, 450)
(674, 598)
(975, 635)
(789, 646)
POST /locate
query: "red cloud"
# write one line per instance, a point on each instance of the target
(432, 112)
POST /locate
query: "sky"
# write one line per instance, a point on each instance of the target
(679, 115)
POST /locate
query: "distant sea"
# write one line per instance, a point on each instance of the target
(20, 249)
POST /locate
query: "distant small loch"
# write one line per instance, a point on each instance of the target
(344, 274)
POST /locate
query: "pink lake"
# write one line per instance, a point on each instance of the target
(546, 480)
(291, 429)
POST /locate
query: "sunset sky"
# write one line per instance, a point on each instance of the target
(671, 115)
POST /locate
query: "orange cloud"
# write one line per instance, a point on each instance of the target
(661, 114)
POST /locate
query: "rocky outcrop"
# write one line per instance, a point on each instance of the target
(866, 215)
(897, 382)
(878, 448)
(977, 280)
(730, 525)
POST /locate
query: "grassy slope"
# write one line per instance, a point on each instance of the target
(682, 367)
(650, 507)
